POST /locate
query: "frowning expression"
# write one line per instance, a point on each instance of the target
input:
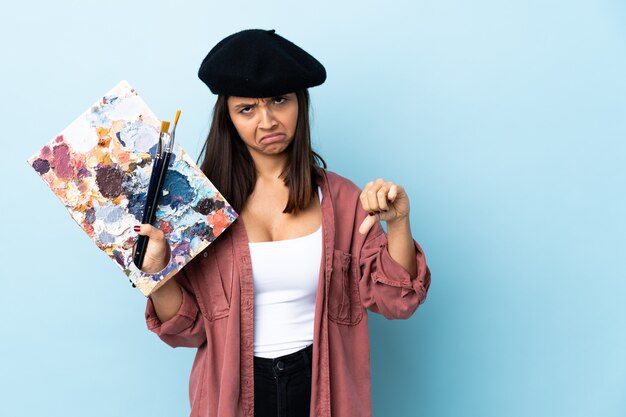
(266, 125)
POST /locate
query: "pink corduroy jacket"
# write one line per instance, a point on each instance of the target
(356, 274)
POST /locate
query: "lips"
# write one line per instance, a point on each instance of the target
(273, 138)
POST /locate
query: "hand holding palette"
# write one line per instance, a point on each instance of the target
(99, 167)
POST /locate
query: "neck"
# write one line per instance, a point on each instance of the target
(269, 167)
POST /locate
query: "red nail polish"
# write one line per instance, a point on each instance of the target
(137, 228)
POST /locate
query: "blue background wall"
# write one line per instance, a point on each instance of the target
(505, 121)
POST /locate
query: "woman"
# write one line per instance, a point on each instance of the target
(277, 308)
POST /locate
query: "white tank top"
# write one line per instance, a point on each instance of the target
(285, 275)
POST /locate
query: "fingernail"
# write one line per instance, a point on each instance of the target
(137, 228)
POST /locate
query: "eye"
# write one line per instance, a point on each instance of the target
(279, 100)
(245, 110)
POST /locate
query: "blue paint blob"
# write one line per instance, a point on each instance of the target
(177, 190)
(153, 149)
(119, 138)
(136, 203)
(106, 238)
(90, 216)
(110, 213)
(136, 192)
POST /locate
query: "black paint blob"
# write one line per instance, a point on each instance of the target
(109, 180)
(208, 205)
(41, 165)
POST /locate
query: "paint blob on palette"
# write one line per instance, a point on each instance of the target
(100, 166)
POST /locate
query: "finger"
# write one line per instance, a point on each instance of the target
(393, 193)
(149, 230)
(367, 224)
(383, 196)
(372, 197)
(363, 197)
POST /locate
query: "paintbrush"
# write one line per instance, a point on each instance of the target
(170, 145)
(154, 191)
(167, 153)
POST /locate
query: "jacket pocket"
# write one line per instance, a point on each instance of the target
(212, 299)
(344, 301)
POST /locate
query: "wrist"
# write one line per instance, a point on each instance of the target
(166, 289)
(399, 224)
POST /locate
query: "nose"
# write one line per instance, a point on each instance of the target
(267, 118)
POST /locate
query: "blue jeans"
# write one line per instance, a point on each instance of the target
(282, 386)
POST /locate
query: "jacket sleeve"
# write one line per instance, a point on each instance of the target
(385, 286)
(186, 327)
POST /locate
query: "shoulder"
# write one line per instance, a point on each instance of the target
(339, 185)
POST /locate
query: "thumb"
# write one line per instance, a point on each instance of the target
(149, 230)
(367, 224)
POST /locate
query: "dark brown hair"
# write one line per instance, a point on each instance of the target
(227, 162)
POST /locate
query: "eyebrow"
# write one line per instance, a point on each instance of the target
(242, 105)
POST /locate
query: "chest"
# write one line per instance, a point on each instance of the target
(265, 221)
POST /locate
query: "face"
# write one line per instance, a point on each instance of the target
(266, 125)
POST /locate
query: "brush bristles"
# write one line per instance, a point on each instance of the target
(165, 126)
(177, 116)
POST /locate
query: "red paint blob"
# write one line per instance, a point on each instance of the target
(165, 227)
(62, 163)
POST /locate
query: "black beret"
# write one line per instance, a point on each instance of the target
(259, 63)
